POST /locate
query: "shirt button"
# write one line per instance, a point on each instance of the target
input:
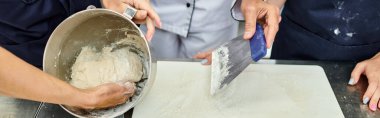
(187, 4)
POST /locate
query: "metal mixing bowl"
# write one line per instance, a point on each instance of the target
(97, 28)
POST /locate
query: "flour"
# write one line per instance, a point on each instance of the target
(349, 34)
(340, 5)
(93, 68)
(219, 68)
(337, 31)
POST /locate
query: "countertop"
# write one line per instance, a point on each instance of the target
(338, 74)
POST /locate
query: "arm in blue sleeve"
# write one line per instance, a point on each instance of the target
(25, 25)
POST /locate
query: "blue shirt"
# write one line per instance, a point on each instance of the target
(334, 30)
(25, 25)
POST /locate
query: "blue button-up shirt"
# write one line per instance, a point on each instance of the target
(338, 30)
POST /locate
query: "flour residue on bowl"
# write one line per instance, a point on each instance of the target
(220, 68)
(110, 64)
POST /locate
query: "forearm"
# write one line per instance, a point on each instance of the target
(378, 54)
(278, 3)
(21, 80)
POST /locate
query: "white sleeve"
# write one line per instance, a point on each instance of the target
(236, 11)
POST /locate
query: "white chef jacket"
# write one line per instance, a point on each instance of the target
(184, 16)
(236, 11)
(191, 26)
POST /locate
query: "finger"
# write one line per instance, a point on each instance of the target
(201, 55)
(122, 100)
(372, 86)
(128, 95)
(141, 15)
(131, 87)
(206, 56)
(266, 30)
(357, 72)
(272, 21)
(209, 60)
(150, 31)
(374, 100)
(144, 5)
(127, 86)
(205, 61)
(250, 15)
(139, 21)
(153, 15)
(122, 8)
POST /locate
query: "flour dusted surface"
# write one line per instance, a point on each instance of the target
(181, 90)
(93, 68)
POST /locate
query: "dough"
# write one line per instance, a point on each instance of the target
(93, 68)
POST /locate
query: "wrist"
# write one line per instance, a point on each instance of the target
(82, 98)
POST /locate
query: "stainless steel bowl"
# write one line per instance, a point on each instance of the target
(98, 28)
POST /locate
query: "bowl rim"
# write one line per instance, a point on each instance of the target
(149, 80)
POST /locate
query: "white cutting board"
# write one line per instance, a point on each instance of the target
(182, 90)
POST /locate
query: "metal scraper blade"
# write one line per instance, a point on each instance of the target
(228, 61)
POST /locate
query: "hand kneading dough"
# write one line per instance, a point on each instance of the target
(93, 68)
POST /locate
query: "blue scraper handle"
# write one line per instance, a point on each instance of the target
(258, 44)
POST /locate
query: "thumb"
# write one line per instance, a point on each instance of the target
(130, 86)
(206, 56)
(250, 24)
(201, 55)
(150, 31)
(357, 72)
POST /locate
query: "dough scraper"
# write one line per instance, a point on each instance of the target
(232, 57)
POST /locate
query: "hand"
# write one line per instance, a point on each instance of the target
(144, 14)
(206, 56)
(370, 68)
(267, 14)
(108, 95)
